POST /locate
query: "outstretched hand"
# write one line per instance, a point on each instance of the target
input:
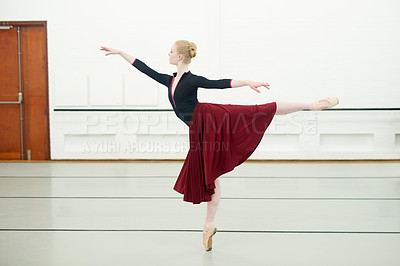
(254, 85)
(109, 51)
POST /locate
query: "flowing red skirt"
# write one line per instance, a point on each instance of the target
(222, 136)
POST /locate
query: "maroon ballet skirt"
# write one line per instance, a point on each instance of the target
(221, 136)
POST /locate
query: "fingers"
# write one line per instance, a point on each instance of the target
(264, 84)
(259, 84)
(106, 49)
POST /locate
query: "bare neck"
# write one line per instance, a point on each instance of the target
(181, 68)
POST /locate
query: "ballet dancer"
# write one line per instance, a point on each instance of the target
(222, 136)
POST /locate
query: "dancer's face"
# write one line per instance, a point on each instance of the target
(174, 57)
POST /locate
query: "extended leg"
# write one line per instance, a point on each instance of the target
(283, 108)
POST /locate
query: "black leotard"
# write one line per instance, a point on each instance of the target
(184, 99)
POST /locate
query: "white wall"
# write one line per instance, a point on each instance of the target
(306, 50)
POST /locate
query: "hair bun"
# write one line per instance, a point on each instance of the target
(192, 49)
(187, 49)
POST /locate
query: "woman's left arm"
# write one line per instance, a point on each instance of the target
(228, 83)
(252, 84)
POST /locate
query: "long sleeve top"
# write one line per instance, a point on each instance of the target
(184, 98)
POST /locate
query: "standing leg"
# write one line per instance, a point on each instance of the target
(212, 205)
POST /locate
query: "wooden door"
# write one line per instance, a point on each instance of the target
(10, 126)
(29, 139)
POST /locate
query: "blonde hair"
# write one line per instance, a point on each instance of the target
(188, 49)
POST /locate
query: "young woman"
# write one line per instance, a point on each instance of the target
(222, 136)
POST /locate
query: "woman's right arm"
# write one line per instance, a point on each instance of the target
(142, 67)
(110, 51)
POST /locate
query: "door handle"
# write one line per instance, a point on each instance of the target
(19, 100)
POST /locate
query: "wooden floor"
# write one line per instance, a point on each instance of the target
(271, 213)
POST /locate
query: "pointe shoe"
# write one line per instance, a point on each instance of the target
(331, 100)
(208, 232)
